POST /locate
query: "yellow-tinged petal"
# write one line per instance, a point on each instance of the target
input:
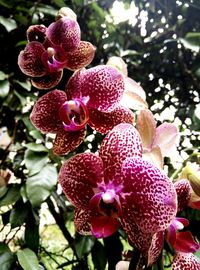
(146, 125)
(154, 156)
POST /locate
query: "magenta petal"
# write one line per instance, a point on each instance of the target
(104, 86)
(137, 238)
(45, 113)
(104, 226)
(81, 57)
(185, 261)
(78, 177)
(185, 242)
(149, 195)
(30, 60)
(65, 32)
(47, 81)
(121, 142)
(66, 142)
(155, 248)
(104, 122)
(82, 221)
(183, 190)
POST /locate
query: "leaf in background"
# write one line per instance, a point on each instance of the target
(40, 186)
(8, 23)
(22, 98)
(6, 257)
(191, 41)
(18, 214)
(36, 134)
(11, 196)
(26, 85)
(36, 147)
(35, 161)
(100, 260)
(4, 88)
(3, 76)
(28, 259)
(84, 245)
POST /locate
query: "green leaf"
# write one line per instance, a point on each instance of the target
(191, 41)
(36, 134)
(4, 88)
(35, 161)
(18, 214)
(28, 259)
(100, 260)
(193, 38)
(8, 23)
(84, 245)
(26, 85)
(6, 261)
(22, 98)
(3, 76)
(11, 196)
(3, 191)
(35, 147)
(40, 186)
(6, 257)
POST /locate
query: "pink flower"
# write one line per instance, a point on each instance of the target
(181, 242)
(51, 49)
(185, 261)
(91, 97)
(158, 142)
(117, 187)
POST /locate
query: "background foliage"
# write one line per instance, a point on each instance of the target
(160, 45)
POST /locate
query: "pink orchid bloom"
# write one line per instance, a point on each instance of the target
(51, 49)
(185, 261)
(134, 96)
(186, 195)
(117, 187)
(91, 97)
(158, 142)
(180, 241)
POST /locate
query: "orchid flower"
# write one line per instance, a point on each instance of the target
(158, 142)
(50, 49)
(134, 95)
(117, 187)
(91, 97)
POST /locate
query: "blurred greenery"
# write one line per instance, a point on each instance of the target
(160, 43)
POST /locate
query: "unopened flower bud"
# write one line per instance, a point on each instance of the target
(192, 172)
(66, 12)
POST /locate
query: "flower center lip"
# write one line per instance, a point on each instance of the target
(74, 115)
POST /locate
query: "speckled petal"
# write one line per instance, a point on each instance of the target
(36, 33)
(149, 196)
(66, 142)
(137, 238)
(121, 142)
(185, 261)
(30, 60)
(81, 57)
(104, 122)
(103, 85)
(156, 247)
(45, 113)
(65, 32)
(183, 190)
(82, 221)
(47, 81)
(78, 176)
